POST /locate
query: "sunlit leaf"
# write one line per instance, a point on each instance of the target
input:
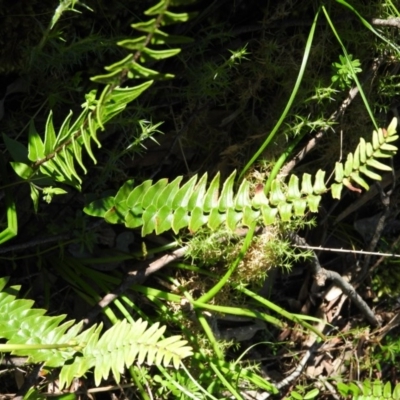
(226, 197)
(22, 170)
(183, 195)
(293, 191)
(35, 144)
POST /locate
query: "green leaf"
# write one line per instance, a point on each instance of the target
(348, 166)
(357, 178)
(216, 219)
(133, 219)
(378, 165)
(183, 195)
(159, 8)
(18, 151)
(112, 78)
(137, 71)
(233, 218)
(114, 216)
(69, 159)
(370, 174)
(124, 191)
(122, 64)
(149, 220)
(249, 216)
(381, 136)
(35, 144)
(35, 197)
(59, 163)
(133, 44)
(197, 197)
(375, 140)
(197, 219)
(388, 147)
(379, 154)
(147, 26)
(299, 206)
(65, 133)
(390, 139)
(93, 126)
(136, 196)
(226, 197)
(269, 214)
(98, 208)
(127, 94)
(319, 185)
(396, 391)
(339, 173)
(276, 195)
(180, 220)
(22, 170)
(337, 190)
(64, 130)
(159, 54)
(50, 135)
(285, 211)
(170, 18)
(377, 388)
(78, 154)
(311, 394)
(313, 202)
(151, 196)
(391, 130)
(293, 191)
(168, 193)
(242, 196)
(306, 185)
(387, 390)
(164, 218)
(86, 141)
(295, 395)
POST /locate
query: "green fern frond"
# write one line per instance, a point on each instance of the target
(162, 206)
(55, 158)
(364, 159)
(49, 340)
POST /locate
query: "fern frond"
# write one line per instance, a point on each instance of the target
(162, 206)
(120, 346)
(56, 157)
(49, 340)
(364, 160)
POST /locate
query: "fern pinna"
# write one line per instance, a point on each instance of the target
(161, 206)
